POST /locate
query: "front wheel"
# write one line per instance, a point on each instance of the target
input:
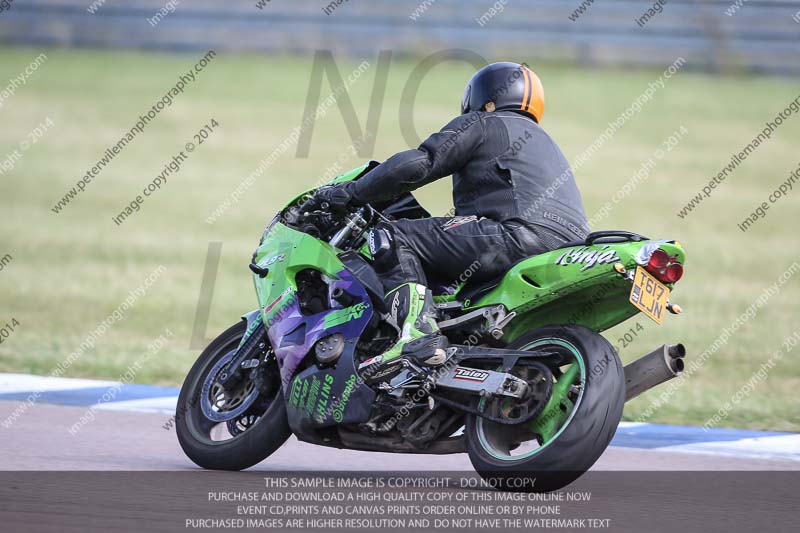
(573, 428)
(232, 427)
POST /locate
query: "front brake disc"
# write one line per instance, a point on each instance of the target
(219, 404)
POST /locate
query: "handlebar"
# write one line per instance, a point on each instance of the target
(309, 205)
(354, 221)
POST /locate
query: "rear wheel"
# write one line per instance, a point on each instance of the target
(575, 425)
(233, 427)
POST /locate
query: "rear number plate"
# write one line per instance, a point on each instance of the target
(649, 295)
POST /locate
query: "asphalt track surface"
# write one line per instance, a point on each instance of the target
(115, 440)
(125, 472)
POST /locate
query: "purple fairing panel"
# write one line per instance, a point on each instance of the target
(295, 334)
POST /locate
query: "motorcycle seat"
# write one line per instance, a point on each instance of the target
(472, 290)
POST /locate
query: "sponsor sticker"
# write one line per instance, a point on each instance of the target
(470, 374)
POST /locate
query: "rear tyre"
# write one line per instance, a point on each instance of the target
(254, 435)
(574, 428)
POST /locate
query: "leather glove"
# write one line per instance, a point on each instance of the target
(338, 197)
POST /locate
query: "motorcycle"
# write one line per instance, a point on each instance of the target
(530, 389)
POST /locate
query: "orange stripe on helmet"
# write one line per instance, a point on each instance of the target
(533, 102)
(530, 75)
(527, 91)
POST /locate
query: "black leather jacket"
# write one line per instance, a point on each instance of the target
(504, 166)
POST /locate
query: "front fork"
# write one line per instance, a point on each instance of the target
(251, 351)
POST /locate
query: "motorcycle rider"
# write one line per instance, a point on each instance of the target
(514, 196)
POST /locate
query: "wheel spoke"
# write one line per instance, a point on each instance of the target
(222, 414)
(557, 388)
(553, 417)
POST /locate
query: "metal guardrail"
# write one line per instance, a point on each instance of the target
(758, 35)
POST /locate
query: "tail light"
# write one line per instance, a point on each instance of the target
(658, 261)
(674, 272)
(665, 268)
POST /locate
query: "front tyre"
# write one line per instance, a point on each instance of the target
(573, 429)
(233, 428)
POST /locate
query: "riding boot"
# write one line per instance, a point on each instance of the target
(413, 313)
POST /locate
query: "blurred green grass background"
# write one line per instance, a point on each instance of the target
(70, 270)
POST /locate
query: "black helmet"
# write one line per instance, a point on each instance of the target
(502, 86)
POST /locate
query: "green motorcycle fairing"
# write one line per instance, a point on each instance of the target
(315, 397)
(580, 284)
(573, 285)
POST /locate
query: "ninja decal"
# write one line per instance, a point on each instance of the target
(587, 257)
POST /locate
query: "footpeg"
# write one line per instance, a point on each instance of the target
(438, 358)
(431, 349)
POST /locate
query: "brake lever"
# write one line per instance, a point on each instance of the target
(375, 212)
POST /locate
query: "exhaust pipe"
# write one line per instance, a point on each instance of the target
(652, 369)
